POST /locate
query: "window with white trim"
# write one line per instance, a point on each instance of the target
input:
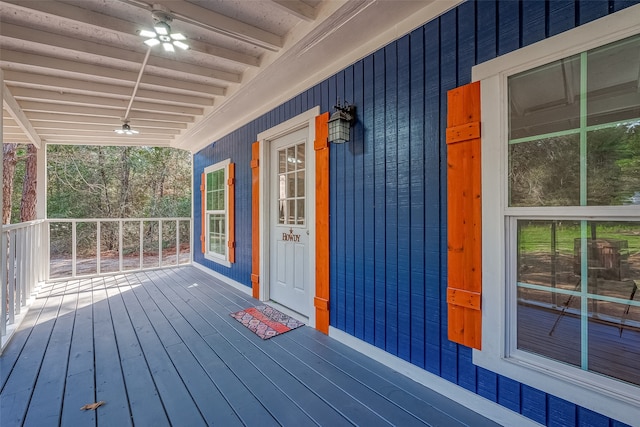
(216, 212)
(561, 142)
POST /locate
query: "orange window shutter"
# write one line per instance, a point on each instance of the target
(203, 205)
(255, 219)
(464, 203)
(231, 185)
(321, 300)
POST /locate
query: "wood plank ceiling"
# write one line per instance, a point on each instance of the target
(70, 68)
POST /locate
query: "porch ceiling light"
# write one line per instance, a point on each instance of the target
(340, 123)
(162, 34)
(126, 130)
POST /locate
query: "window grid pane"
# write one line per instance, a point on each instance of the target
(291, 185)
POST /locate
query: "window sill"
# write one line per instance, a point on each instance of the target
(217, 260)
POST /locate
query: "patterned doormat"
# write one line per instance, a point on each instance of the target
(266, 322)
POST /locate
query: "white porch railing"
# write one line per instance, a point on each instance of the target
(22, 270)
(91, 247)
(61, 249)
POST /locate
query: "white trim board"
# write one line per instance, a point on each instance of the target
(473, 401)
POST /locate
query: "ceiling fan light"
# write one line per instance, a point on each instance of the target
(147, 33)
(181, 45)
(178, 36)
(162, 28)
(152, 42)
(168, 47)
(126, 130)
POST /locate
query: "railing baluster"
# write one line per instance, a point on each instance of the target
(177, 242)
(159, 243)
(141, 243)
(98, 246)
(73, 248)
(120, 245)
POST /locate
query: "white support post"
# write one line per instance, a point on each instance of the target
(3, 249)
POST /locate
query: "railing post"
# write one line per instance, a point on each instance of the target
(5, 285)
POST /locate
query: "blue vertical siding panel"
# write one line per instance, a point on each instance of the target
(509, 393)
(487, 384)
(561, 413)
(432, 196)
(508, 26)
(466, 41)
(448, 81)
(417, 208)
(467, 371)
(349, 218)
(405, 232)
(368, 110)
(359, 244)
(621, 4)
(587, 418)
(591, 10)
(391, 198)
(379, 198)
(486, 42)
(336, 226)
(615, 423)
(562, 16)
(534, 24)
(534, 404)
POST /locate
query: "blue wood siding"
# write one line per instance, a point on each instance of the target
(388, 188)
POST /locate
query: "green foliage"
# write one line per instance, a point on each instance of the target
(113, 182)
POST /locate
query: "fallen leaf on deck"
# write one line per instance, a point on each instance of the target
(92, 406)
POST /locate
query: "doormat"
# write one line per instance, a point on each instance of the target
(266, 322)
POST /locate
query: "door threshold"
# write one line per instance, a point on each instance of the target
(286, 310)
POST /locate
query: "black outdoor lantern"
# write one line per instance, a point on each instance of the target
(340, 123)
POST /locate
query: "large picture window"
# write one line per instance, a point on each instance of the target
(561, 215)
(574, 141)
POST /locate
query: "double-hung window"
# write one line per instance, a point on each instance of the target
(561, 239)
(216, 212)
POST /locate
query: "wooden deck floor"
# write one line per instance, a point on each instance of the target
(160, 348)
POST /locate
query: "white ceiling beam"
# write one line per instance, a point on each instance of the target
(46, 107)
(51, 128)
(10, 103)
(216, 22)
(73, 68)
(298, 9)
(117, 53)
(128, 142)
(98, 101)
(107, 139)
(116, 25)
(25, 79)
(51, 119)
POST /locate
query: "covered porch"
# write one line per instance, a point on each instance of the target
(159, 347)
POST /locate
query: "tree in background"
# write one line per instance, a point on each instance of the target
(118, 182)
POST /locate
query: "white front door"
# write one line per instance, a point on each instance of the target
(289, 228)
